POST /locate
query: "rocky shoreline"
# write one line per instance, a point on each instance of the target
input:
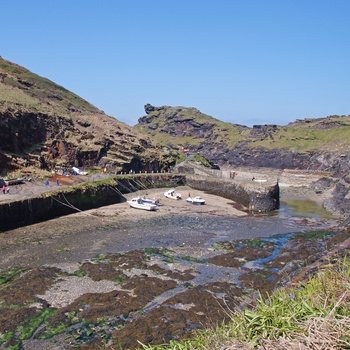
(112, 275)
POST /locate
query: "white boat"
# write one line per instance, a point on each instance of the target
(79, 172)
(196, 200)
(172, 194)
(139, 204)
(259, 180)
(16, 181)
(150, 201)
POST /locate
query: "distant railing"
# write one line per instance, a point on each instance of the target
(201, 170)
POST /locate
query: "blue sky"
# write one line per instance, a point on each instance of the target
(242, 61)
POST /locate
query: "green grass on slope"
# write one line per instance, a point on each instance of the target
(300, 140)
(316, 123)
(221, 131)
(296, 140)
(21, 88)
(15, 98)
(326, 133)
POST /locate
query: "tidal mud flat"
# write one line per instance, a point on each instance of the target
(115, 275)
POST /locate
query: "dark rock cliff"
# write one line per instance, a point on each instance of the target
(43, 125)
(314, 144)
(45, 141)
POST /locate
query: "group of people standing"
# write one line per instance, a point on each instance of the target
(47, 182)
(6, 189)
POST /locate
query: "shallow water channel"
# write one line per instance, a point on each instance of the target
(303, 208)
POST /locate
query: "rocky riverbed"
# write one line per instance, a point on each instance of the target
(114, 276)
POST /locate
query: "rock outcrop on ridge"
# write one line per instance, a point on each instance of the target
(312, 144)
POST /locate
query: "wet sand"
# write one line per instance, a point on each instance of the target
(119, 228)
(85, 233)
(90, 229)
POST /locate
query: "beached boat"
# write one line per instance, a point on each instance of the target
(77, 171)
(196, 200)
(139, 204)
(16, 181)
(151, 201)
(259, 180)
(172, 194)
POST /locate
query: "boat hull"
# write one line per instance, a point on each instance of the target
(137, 203)
(171, 194)
(196, 201)
(143, 207)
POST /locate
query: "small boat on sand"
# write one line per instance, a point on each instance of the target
(259, 180)
(137, 203)
(172, 194)
(150, 200)
(77, 171)
(16, 181)
(196, 200)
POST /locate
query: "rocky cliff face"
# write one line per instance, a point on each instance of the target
(43, 125)
(46, 141)
(313, 144)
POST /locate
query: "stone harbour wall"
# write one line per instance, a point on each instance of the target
(54, 204)
(255, 197)
(48, 206)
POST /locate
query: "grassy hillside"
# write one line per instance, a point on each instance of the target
(43, 125)
(23, 90)
(181, 126)
(302, 140)
(189, 127)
